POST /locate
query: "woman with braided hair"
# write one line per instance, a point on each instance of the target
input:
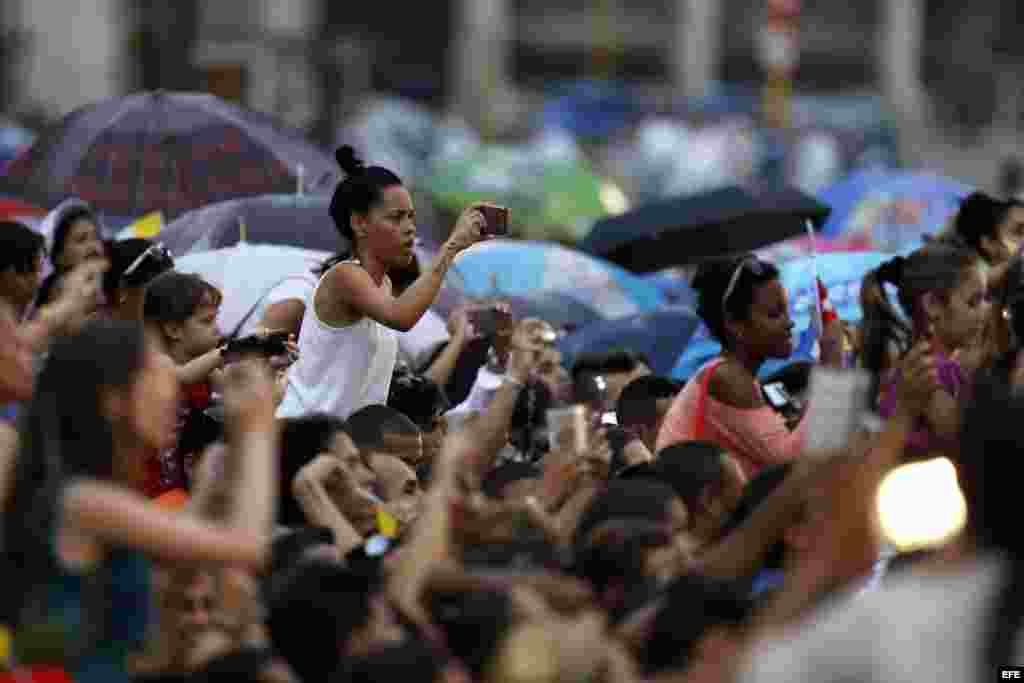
(348, 343)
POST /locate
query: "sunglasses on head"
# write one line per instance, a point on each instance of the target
(149, 263)
(751, 263)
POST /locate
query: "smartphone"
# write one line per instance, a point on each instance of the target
(609, 418)
(568, 428)
(777, 395)
(837, 408)
(497, 218)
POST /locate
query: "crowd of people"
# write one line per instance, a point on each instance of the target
(312, 503)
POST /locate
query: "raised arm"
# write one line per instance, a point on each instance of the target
(76, 300)
(490, 430)
(310, 488)
(356, 289)
(114, 516)
(284, 315)
(440, 371)
(15, 360)
(199, 369)
(118, 517)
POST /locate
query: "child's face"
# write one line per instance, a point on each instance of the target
(962, 317)
(200, 331)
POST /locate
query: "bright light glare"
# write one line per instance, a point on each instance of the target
(920, 505)
(613, 199)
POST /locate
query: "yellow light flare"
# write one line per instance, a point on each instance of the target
(920, 505)
(613, 199)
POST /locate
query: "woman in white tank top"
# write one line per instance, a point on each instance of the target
(348, 342)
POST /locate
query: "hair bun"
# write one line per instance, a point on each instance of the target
(977, 215)
(349, 162)
(978, 200)
(892, 270)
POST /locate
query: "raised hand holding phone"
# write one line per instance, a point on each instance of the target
(497, 218)
(469, 229)
(918, 380)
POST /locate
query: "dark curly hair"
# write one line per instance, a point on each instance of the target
(63, 227)
(417, 397)
(980, 216)
(711, 282)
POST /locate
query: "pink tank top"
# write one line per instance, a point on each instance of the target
(755, 436)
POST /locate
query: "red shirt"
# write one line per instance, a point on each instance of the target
(170, 469)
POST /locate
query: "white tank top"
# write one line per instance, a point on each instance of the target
(340, 369)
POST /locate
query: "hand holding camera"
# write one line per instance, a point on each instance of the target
(477, 223)
(278, 347)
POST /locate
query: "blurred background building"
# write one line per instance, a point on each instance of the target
(943, 75)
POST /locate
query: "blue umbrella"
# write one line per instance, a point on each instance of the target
(521, 268)
(560, 310)
(890, 211)
(674, 285)
(841, 273)
(660, 335)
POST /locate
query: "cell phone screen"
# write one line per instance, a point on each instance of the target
(837, 405)
(776, 395)
(497, 220)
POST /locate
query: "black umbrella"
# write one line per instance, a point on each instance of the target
(686, 230)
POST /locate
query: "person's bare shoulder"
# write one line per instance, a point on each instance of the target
(732, 386)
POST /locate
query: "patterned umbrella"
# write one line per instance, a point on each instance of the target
(169, 152)
(288, 220)
(890, 211)
(884, 211)
(522, 268)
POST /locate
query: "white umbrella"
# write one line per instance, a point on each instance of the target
(246, 274)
